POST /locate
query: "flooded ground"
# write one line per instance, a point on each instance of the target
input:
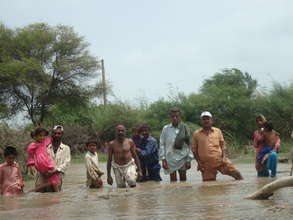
(223, 199)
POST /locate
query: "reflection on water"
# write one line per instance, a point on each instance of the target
(223, 199)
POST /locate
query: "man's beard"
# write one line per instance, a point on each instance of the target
(56, 139)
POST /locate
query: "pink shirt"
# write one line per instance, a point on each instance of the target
(10, 179)
(39, 157)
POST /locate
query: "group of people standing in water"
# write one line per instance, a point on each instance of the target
(137, 159)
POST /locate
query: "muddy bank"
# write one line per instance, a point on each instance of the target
(223, 199)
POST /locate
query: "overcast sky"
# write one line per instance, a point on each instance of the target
(152, 45)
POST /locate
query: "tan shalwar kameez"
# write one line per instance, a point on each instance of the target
(210, 153)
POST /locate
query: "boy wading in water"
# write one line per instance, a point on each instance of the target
(125, 159)
(269, 139)
(93, 171)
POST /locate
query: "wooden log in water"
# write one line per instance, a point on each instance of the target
(266, 191)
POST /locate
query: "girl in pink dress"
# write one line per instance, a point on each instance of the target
(39, 157)
(11, 182)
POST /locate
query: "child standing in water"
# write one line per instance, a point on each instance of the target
(93, 171)
(269, 139)
(11, 182)
(39, 157)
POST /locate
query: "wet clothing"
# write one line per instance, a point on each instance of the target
(93, 171)
(270, 159)
(125, 174)
(226, 168)
(210, 153)
(11, 182)
(263, 151)
(176, 158)
(271, 163)
(39, 157)
(149, 158)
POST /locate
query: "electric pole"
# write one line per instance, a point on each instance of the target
(104, 83)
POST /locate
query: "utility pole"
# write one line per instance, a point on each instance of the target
(104, 83)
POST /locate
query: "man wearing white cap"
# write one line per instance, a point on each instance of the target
(208, 148)
(59, 152)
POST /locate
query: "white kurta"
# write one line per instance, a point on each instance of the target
(176, 158)
(92, 167)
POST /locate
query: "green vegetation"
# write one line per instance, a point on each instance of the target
(42, 66)
(45, 73)
(79, 158)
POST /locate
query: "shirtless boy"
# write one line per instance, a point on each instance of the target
(269, 139)
(125, 160)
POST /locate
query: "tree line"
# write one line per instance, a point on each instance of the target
(46, 73)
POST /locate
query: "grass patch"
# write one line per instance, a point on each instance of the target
(286, 146)
(79, 157)
(244, 161)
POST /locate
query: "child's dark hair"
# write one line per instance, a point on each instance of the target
(268, 125)
(38, 131)
(92, 140)
(10, 151)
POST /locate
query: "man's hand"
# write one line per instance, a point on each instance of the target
(98, 182)
(21, 186)
(200, 166)
(139, 174)
(187, 165)
(49, 173)
(110, 180)
(165, 164)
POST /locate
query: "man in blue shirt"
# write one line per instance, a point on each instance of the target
(147, 151)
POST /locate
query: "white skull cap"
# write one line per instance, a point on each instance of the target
(208, 114)
(58, 127)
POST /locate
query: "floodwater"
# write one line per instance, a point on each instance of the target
(220, 200)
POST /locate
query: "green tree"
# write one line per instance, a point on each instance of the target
(5, 43)
(43, 66)
(157, 115)
(230, 96)
(277, 106)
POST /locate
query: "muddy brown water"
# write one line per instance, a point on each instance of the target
(220, 200)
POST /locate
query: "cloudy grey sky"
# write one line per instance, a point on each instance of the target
(152, 45)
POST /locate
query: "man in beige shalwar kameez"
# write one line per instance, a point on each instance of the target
(208, 147)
